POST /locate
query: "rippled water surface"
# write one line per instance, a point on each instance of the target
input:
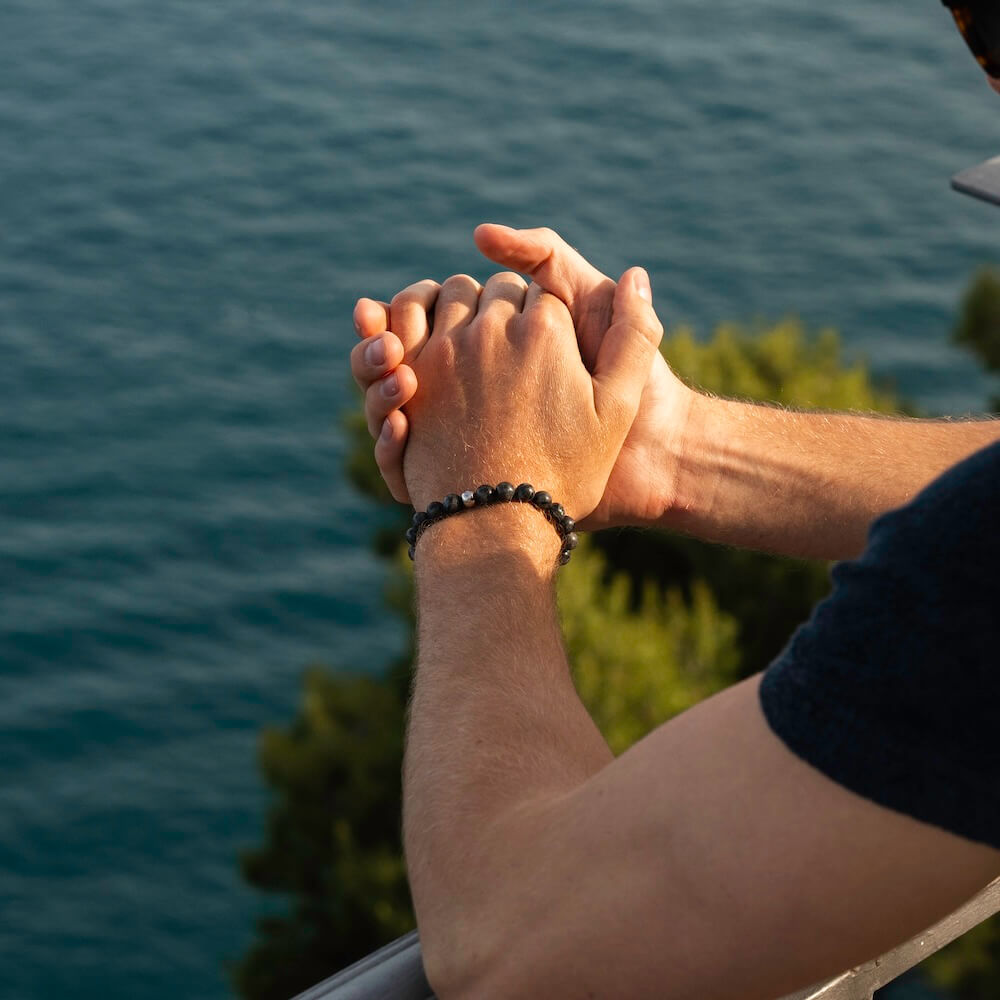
(192, 194)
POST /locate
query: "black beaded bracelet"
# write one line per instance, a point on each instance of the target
(485, 496)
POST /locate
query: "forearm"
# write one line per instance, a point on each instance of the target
(805, 483)
(495, 722)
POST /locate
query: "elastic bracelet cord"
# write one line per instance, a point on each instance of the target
(486, 496)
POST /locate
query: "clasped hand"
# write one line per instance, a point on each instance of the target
(514, 383)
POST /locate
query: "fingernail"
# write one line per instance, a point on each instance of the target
(390, 386)
(375, 352)
(640, 281)
(386, 430)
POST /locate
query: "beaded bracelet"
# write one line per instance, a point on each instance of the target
(485, 496)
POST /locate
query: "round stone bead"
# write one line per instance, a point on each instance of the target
(505, 491)
(435, 510)
(557, 511)
(468, 498)
(568, 524)
(411, 552)
(542, 500)
(484, 495)
(564, 557)
(452, 503)
(570, 541)
(419, 518)
(411, 536)
(524, 492)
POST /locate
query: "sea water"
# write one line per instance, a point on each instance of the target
(193, 194)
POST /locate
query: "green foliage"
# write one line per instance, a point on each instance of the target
(781, 364)
(653, 624)
(778, 364)
(363, 473)
(333, 835)
(978, 326)
(637, 666)
(967, 968)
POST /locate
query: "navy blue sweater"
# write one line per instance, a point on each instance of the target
(892, 688)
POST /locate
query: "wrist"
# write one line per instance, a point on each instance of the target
(693, 475)
(484, 537)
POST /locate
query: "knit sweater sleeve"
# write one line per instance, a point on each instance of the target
(892, 688)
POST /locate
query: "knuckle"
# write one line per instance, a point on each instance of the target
(404, 298)
(514, 281)
(509, 278)
(547, 316)
(416, 294)
(540, 323)
(460, 282)
(553, 307)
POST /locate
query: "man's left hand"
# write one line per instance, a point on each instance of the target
(502, 392)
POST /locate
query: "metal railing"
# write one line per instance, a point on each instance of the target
(396, 971)
(862, 982)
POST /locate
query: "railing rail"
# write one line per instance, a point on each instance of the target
(396, 971)
(862, 982)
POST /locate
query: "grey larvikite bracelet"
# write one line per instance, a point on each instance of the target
(486, 496)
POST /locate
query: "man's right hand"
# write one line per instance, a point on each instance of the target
(641, 488)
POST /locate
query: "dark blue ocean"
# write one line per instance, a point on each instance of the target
(192, 195)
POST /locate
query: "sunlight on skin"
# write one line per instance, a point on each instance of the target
(386, 420)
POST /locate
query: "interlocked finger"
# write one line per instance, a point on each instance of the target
(370, 317)
(457, 304)
(538, 298)
(387, 394)
(505, 288)
(389, 447)
(373, 357)
(409, 316)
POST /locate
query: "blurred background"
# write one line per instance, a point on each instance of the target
(193, 193)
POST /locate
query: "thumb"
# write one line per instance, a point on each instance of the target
(546, 257)
(626, 354)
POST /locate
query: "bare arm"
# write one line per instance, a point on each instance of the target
(494, 722)
(707, 862)
(800, 483)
